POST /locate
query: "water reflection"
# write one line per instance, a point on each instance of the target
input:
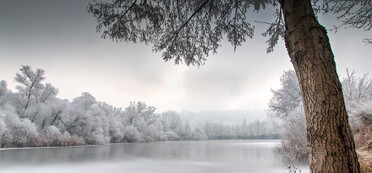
(182, 156)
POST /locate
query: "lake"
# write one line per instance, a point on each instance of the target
(233, 156)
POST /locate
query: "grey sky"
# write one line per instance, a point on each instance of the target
(60, 37)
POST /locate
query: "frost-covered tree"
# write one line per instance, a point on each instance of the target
(137, 119)
(48, 92)
(84, 118)
(171, 121)
(115, 118)
(286, 104)
(33, 113)
(35, 101)
(186, 130)
(288, 97)
(188, 31)
(198, 134)
(153, 131)
(244, 127)
(56, 107)
(30, 84)
(33, 95)
(4, 93)
(357, 90)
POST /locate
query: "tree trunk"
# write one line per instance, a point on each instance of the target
(330, 140)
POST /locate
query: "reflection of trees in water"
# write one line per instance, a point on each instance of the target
(220, 151)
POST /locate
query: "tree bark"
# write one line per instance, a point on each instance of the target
(330, 140)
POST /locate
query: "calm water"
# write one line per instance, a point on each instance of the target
(157, 157)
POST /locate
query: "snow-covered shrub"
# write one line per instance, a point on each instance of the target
(198, 134)
(131, 134)
(171, 136)
(361, 122)
(52, 136)
(76, 140)
(294, 142)
(19, 131)
(116, 131)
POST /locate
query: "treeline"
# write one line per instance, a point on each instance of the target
(286, 105)
(35, 116)
(254, 130)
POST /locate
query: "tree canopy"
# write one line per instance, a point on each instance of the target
(188, 31)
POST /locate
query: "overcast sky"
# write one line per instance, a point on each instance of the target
(59, 36)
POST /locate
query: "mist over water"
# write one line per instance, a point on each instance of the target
(158, 157)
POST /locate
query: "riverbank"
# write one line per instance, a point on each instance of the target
(365, 160)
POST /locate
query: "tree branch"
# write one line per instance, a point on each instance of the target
(235, 17)
(188, 20)
(367, 41)
(130, 7)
